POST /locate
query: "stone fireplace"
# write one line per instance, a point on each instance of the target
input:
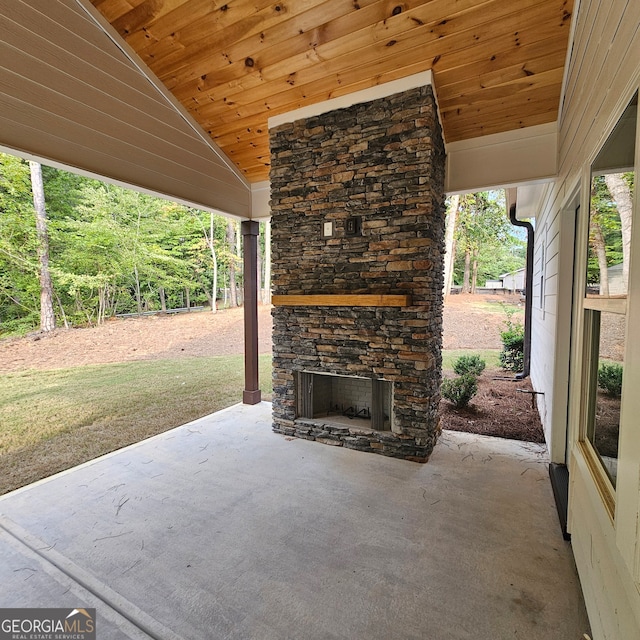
(357, 248)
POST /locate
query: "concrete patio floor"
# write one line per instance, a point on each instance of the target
(221, 529)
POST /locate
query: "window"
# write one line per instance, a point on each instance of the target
(605, 298)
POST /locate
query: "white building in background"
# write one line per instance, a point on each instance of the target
(514, 281)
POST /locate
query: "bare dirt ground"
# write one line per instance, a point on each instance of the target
(181, 335)
(468, 324)
(202, 333)
(498, 408)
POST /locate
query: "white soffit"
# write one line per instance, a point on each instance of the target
(71, 95)
(261, 200)
(529, 200)
(357, 97)
(523, 156)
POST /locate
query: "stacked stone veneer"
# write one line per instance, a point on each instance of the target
(384, 161)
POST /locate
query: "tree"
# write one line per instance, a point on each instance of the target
(210, 241)
(47, 314)
(19, 286)
(483, 236)
(231, 242)
(609, 228)
(111, 250)
(599, 246)
(619, 186)
(449, 237)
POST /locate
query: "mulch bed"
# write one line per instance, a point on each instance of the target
(498, 409)
(607, 427)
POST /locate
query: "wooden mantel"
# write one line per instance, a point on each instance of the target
(342, 300)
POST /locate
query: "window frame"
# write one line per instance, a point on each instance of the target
(588, 309)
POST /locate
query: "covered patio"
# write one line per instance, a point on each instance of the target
(223, 529)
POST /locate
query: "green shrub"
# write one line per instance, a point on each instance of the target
(610, 378)
(460, 390)
(19, 327)
(512, 354)
(472, 364)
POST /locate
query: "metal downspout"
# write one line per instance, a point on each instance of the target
(528, 299)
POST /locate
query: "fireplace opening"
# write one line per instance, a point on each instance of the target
(360, 403)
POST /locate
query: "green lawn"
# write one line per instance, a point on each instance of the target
(52, 420)
(490, 356)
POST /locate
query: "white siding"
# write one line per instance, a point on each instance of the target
(603, 74)
(69, 96)
(544, 318)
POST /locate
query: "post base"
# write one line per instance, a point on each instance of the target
(251, 397)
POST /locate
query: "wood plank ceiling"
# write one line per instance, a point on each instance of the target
(498, 65)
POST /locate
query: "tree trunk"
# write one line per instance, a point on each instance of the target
(474, 271)
(231, 241)
(187, 299)
(47, 315)
(239, 265)
(449, 254)
(138, 292)
(621, 194)
(466, 288)
(266, 292)
(208, 294)
(163, 300)
(214, 259)
(599, 246)
(62, 313)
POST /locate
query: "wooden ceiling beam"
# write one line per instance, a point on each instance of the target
(255, 125)
(262, 156)
(509, 75)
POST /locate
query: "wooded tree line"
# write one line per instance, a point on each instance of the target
(481, 242)
(108, 250)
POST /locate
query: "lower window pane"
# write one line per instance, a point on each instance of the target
(605, 352)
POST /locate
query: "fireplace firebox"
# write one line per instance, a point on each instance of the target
(358, 403)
